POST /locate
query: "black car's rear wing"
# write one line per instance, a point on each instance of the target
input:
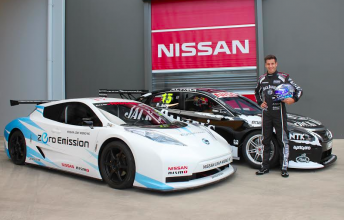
(37, 102)
(125, 94)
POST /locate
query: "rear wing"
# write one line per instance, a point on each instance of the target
(37, 102)
(125, 94)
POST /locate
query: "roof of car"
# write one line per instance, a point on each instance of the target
(191, 89)
(88, 100)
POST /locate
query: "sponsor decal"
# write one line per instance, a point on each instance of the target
(136, 113)
(276, 82)
(77, 132)
(177, 170)
(115, 103)
(217, 175)
(192, 133)
(183, 90)
(225, 94)
(205, 141)
(302, 148)
(35, 159)
(216, 164)
(256, 122)
(298, 136)
(281, 78)
(269, 87)
(302, 159)
(305, 124)
(166, 112)
(63, 141)
(99, 99)
(270, 92)
(71, 166)
(235, 142)
(82, 169)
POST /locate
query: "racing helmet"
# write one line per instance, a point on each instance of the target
(284, 91)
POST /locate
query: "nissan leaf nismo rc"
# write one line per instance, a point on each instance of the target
(123, 142)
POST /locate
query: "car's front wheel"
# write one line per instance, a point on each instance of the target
(252, 150)
(17, 148)
(117, 165)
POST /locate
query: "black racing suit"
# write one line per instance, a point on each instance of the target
(275, 115)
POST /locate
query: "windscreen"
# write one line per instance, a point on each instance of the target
(238, 103)
(131, 113)
(241, 105)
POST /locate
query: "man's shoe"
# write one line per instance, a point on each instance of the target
(262, 171)
(284, 173)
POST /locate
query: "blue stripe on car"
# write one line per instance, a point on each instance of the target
(92, 165)
(30, 122)
(151, 183)
(32, 153)
(28, 134)
(187, 130)
(39, 111)
(93, 154)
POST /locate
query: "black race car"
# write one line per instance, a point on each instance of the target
(238, 120)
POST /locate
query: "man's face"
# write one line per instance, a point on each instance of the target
(271, 66)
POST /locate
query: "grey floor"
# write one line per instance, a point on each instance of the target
(30, 192)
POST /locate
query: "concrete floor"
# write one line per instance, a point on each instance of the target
(30, 192)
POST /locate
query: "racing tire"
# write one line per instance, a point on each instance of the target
(252, 150)
(17, 148)
(117, 165)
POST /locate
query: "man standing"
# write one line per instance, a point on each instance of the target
(274, 113)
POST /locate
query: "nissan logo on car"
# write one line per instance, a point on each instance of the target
(205, 141)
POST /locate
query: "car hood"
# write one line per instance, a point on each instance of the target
(303, 121)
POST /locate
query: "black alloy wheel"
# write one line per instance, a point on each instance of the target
(17, 148)
(117, 165)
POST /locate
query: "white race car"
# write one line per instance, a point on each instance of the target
(123, 142)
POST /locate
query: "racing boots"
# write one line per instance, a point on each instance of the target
(284, 173)
(262, 171)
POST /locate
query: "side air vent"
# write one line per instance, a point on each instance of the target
(40, 150)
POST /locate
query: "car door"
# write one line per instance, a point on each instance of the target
(73, 141)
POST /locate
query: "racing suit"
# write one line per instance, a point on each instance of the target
(274, 116)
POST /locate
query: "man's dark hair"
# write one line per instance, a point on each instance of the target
(270, 57)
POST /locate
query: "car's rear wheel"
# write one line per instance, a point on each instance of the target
(17, 148)
(117, 165)
(252, 150)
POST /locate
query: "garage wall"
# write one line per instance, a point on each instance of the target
(307, 38)
(22, 55)
(104, 46)
(104, 49)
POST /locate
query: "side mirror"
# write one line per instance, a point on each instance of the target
(88, 121)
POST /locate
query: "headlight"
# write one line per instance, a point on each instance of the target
(155, 136)
(329, 134)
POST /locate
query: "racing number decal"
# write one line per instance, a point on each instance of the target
(169, 98)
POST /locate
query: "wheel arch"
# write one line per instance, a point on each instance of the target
(12, 132)
(108, 141)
